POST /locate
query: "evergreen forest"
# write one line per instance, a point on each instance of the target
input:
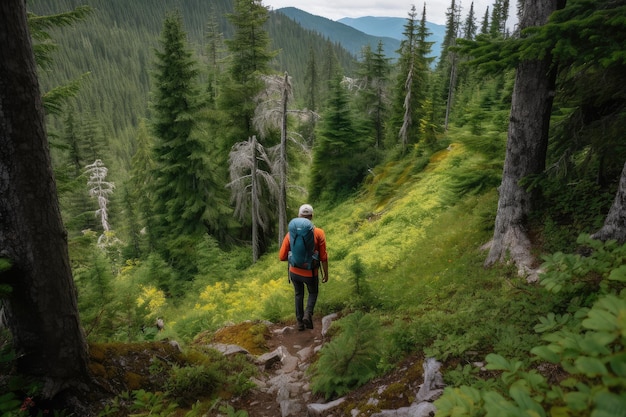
(185, 134)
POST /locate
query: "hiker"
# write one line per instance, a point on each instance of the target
(309, 277)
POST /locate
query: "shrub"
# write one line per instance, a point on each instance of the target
(580, 370)
(350, 359)
(189, 383)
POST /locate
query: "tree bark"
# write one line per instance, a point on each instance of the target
(526, 149)
(282, 164)
(254, 203)
(615, 223)
(41, 309)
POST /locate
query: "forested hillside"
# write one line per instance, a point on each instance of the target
(115, 45)
(350, 38)
(392, 27)
(473, 207)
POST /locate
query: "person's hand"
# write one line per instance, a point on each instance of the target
(325, 278)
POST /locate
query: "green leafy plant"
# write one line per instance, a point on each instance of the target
(231, 412)
(187, 383)
(583, 355)
(147, 403)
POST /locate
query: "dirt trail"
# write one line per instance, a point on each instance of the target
(258, 402)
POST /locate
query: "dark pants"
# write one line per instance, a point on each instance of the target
(312, 285)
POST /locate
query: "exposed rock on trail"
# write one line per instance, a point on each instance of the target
(283, 390)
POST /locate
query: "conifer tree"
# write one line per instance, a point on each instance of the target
(469, 27)
(499, 16)
(526, 149)
(183, 179)
(43, 47)
(248, 162)
(70, 161)
(248, 62)
(452, 32)
(312, 95)
(140, 190)
(448, 61)
(412, 83)
(373, 92)
(272, 113)
(214, 49)
(330, 68)
(249, 57)
(484, 24)
(337, 166)
(401, 114)
(311, 79)
(40, 304)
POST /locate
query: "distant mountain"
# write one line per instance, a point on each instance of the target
(393, 27)
(350, 38)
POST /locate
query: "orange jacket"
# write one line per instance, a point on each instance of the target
(320, 247)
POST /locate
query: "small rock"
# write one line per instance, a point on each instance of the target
(305, 354)
(318, 409)
(267, 360)
(290, 363)
(228, 350)
(327, 321)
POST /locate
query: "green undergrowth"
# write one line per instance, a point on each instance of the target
(419, 237)
(578, 365)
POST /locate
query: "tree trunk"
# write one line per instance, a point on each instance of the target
(615, 223)
(526, 149)
(282, 163)
(41, 308)
(254, 203)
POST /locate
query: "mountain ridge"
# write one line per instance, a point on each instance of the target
(350, 38)
(393, 27)
(354, 33)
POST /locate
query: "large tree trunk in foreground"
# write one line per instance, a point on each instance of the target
(526, 148)
(615, 223)
(41, 309)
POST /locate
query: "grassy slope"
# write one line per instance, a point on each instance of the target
(418, 250)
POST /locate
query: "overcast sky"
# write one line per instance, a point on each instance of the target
(435, 9)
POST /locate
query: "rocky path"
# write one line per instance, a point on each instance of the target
(282, 387)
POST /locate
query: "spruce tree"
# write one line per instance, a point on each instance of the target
(138, 194)
(338, 165)
(214, 49)
(373, 91)
(412, 82)
(242, 87)
(249, 57)
(311, 79)
(469, 27)
(448, 61)
(484, 25)
(312, 95)
(183, 183)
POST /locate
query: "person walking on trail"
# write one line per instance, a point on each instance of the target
(309, 276)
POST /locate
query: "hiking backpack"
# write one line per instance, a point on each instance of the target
(302, 243)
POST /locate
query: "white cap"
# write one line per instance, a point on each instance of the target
(305, 210)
